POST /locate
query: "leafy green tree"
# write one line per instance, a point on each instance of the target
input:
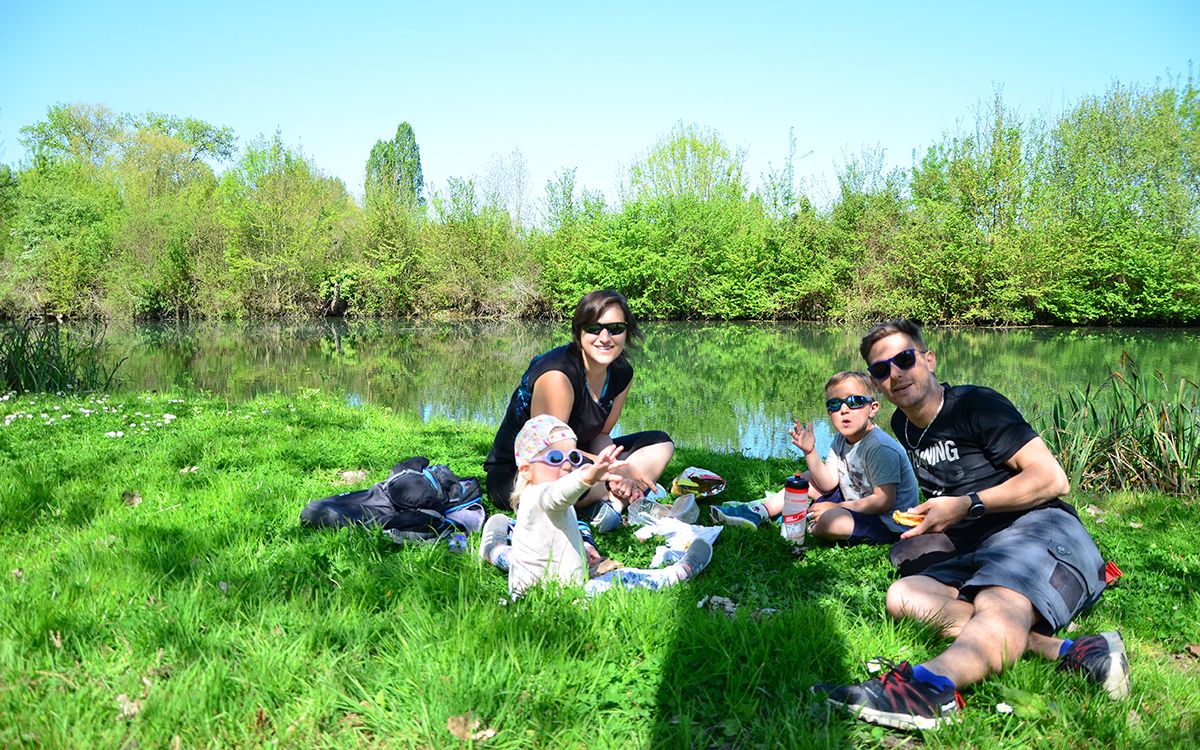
(203, 140)
(165, 152)
(89, 133)
(474, 261)
(386, 274)
(1120, 207)
(287, 228)
(394, 170)
(690, 161)
(62, 231)
(8, 207)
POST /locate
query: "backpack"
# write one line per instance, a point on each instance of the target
(417, 502)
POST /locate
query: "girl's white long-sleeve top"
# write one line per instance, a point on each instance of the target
(546, 543)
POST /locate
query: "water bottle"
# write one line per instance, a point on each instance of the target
(795, 508)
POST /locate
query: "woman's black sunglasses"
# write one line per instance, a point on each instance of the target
(854, 402)
(614, 329)
(904, 360)
(556, 457)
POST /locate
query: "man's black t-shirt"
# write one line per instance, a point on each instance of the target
(588, 415)
(964, 450)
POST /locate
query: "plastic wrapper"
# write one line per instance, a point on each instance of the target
(646, 512)
(696, 481)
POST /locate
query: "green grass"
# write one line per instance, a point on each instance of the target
(195, 594)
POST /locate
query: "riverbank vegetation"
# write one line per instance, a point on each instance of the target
(156, 590)
(1088, 216)
(41, 357)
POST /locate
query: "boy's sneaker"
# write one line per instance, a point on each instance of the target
(736, 514)
(896, 699)
(495, 533)
(1101, 659)
(695, 558)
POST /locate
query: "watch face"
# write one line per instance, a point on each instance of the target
(977, 509)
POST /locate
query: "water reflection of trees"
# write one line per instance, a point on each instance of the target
(723, 386)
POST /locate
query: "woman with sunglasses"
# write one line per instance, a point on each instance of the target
(585, 384)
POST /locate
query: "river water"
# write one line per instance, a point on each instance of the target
(723, 386)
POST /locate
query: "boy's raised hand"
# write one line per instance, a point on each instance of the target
(803, 437)
(600, 470)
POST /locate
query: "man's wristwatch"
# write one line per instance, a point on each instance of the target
(976, 510)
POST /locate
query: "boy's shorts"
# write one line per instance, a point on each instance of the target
(1046, 556)
(868, 527)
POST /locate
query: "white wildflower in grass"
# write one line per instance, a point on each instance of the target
(114, 434)
(1004, 708)
(65, 416)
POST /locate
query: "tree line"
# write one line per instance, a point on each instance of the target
(1089, 217)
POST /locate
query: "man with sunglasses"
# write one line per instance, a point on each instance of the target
(1004, 563)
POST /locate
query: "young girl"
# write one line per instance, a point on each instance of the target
(546, 542)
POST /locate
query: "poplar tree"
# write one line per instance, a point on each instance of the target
(394, 170)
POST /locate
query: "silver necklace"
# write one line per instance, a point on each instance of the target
(907, 421)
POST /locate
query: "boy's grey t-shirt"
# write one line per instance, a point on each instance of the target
(876, 459)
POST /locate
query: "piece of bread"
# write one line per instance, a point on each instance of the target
(907, 519)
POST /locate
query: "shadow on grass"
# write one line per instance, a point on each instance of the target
(745, 679)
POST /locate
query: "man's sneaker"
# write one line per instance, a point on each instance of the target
(896, 699)
(1101, 659)
(495, 533)
(603, 517)
(695, 558)
(736, 514)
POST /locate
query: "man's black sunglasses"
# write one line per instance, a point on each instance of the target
(614, 329)
(883, 368)
(854, 402)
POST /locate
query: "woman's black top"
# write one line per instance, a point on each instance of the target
(588, 415)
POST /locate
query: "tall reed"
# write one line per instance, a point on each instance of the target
(42, 357)
(1131, 431)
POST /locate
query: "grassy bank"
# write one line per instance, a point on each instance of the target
(157, 591)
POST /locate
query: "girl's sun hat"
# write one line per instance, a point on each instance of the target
(539, 433)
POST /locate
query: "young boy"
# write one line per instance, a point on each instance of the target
(864, 478)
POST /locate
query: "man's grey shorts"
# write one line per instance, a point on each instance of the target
(1046, 555)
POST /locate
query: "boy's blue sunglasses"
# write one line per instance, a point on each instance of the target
(854, 402)
(556, 457)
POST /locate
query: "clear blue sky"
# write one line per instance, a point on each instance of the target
(584, 85)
